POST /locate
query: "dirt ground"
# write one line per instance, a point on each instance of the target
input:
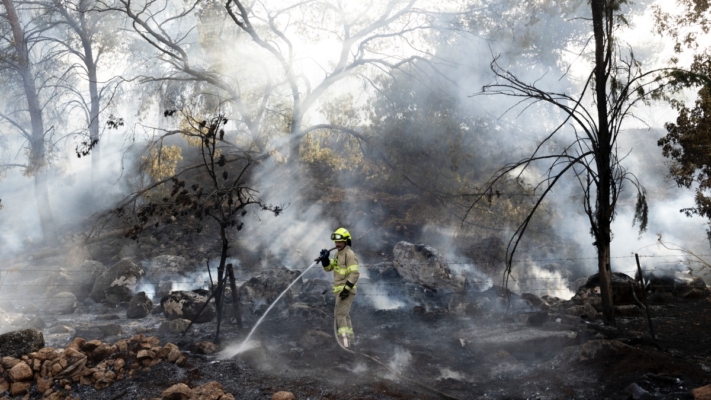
(425, 348)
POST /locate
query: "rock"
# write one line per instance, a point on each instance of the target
(538, 318)
(165, 268)
(8, 362)
(78, 280)
(382, 271)
(204, 347)
(60, 329)
(620, 285)
(61, 304)
(584, 311)
(30, 309)
(139, 306)
(702, 393)
(174, 326)
(97, 331)
(424, 266)
(535, 301)
(117, 283)
(283, 396)
(179, 391)
(76, 255)
(266, 287)
(19, 388)
(637, 393)
(186, 305)
(35, 323)
(210, 390)
(17, 343)
(20, 372)
(488, 254)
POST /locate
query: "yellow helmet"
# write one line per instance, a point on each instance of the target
(341, 235)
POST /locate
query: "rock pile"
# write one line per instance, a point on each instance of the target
(209, 391)
(53, 371)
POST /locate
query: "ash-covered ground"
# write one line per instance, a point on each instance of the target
(468, 341)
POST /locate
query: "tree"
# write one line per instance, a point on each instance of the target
(212, 192)
(262, 72)
(615, 85)
(85, 35)
(688, 138)
(25, 61)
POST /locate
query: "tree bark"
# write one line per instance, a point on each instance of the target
(602, 158)
(37, 161)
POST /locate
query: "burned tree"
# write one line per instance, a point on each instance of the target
(213, 192)
(615, 85)
(24, 62)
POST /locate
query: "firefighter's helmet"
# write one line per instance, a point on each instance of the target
(341, 235)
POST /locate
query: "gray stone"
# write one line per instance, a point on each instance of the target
(78, 280)
(423, 265)
(535, 301)
(17, 343)
(186, 305)
(117, 283)
(139, 306)
(60, 329)
(35, 323)
(266, 287)
(174, 326)
(30, 309)
(60, 304)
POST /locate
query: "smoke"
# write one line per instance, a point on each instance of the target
(376, 294)
(399, 362)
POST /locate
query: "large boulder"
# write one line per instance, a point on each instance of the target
(139, 306)
(117, 283)
(164, 270)
(60, 304)
(186, 305)
(423, 265)
(621, 292)
(266, 287)
(17, 343)
(78, 281)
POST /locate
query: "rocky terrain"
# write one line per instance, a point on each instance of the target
(94, 323)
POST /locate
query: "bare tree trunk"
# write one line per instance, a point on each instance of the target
(93, 113)
(604, 207)
(37, 161)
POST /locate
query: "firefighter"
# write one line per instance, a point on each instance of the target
(345, 276)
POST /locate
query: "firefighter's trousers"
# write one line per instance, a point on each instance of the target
(343, 320)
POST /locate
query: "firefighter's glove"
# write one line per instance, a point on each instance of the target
(346, 290)
(323, 257)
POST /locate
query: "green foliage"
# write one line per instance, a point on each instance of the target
(687, 144)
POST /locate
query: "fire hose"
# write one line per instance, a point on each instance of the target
(375, 360)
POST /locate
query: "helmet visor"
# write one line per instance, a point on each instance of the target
(337, 237)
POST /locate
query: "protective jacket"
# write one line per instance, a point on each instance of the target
(345, 269)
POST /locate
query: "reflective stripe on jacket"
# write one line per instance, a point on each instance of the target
(345, 269)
